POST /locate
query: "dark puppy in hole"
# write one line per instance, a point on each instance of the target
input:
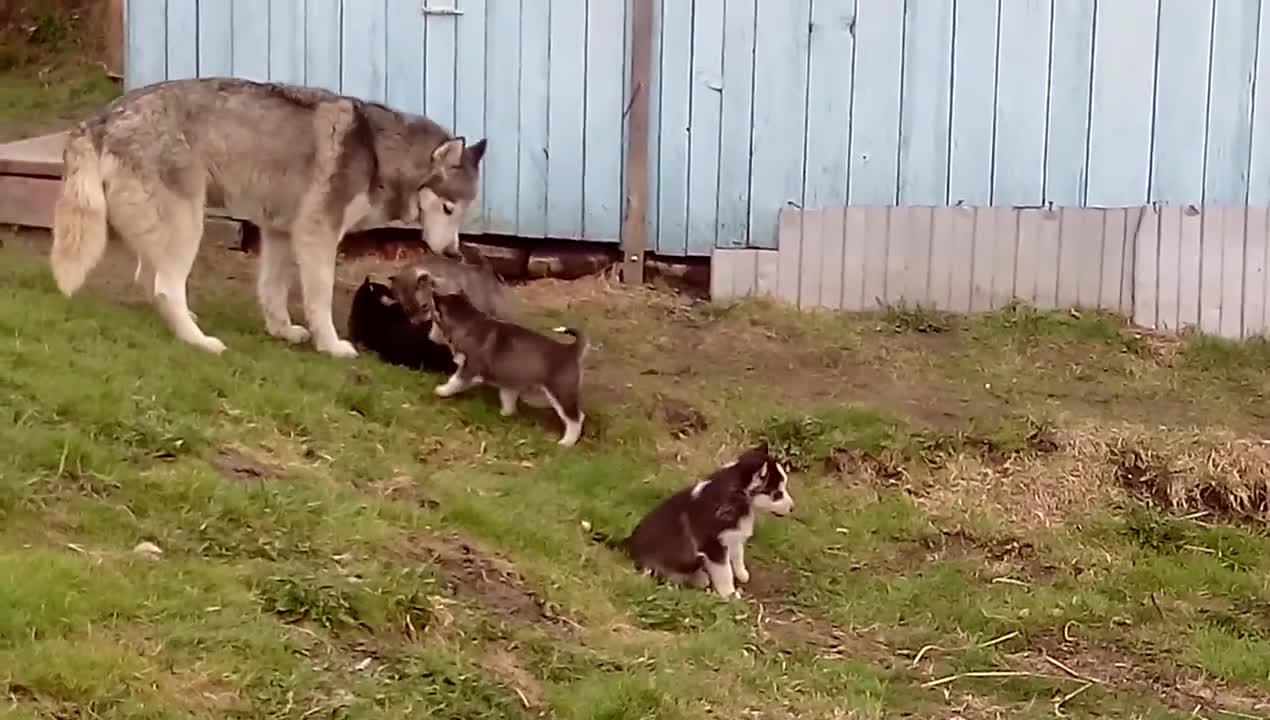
(488, 351)
(377, 322)
(697, 536)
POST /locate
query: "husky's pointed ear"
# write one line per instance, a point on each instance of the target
(475, 152)
(449, 153)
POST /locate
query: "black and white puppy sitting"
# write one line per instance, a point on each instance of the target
(488, 351)
(697, 536)
(377, 322)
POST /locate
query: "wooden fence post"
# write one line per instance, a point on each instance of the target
(634, 241)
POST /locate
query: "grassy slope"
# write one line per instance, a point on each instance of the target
(338, 542)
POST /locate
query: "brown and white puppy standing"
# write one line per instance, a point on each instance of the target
(697, 536)
(489, 351)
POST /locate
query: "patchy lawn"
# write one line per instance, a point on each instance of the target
(1006, 516)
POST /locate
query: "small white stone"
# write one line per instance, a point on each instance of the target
(148, 549)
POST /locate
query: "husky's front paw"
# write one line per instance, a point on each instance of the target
(211, 345)
(340, 349)
(294, 334)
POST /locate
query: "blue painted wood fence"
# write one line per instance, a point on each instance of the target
(761, 103)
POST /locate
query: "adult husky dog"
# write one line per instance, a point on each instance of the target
(305, 165)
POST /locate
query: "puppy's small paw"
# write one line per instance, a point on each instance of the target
(293, 334)
(341, 349)
(742, 575)
(211, 345)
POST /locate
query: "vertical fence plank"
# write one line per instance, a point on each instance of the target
(182, 39)
(440, 45)
(566, 118)
(856, 254)
(1189, 254)
(925, 102)
(1118, 233)
(1102, 287)
(364, 56)
(961, 256)
(146, 60)
(502, 115)
(286, 41)
(1121, 115)
(874, 239)
(780, 109)
(829, 82)
(406, 42)
(811, 257)
(1046, 259)
(921, 223)
(974, 92)
(1232, 272)
(1075, 250)
(1146, 269)
(984, 261)
(1177, 168)
(766, 272)
(672, 140)
(1259, 173)
(655, 125)
(216, 36)
(875, 115)
(1028, 261)
(706, 105)
(832, 250)
(898, 222)
(469, 105)
(250, 44)
(1018, 172)
(942, 257)
(1212, 243)
(1229, 134)
(789, 253)
(1170, 236)
(734, 130)
(602, 135)
(531, 192)
(1067, 135)
(1004, 224)
(1254, 295)
(323, 42)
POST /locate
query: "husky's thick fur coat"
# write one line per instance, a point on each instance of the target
(697, 536)
(377, 322)
(488, 351)
(303, 164)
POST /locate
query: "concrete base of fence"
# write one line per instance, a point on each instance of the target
(1166, 267)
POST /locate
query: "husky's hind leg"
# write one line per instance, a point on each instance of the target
(273, 286)
(316, 249)
(164, 229)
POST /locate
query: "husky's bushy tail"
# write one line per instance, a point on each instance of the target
(79, 217)
(580, 343)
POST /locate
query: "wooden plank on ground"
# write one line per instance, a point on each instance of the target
(810, 257)
(1232, 273)
(38, 156)
(1146, 268)
(875, 240)
(856, 246)
(1166, 297)
(1188, 254)
(1210, 265)
(832, 247)
(766, 272)
(789, 238)
(960, 243)
(28, 201)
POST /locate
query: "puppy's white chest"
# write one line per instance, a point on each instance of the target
(739, 534)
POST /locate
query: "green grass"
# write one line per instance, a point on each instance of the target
(337, 542)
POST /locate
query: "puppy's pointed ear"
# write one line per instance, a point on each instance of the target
(449, 153)
(475, 153)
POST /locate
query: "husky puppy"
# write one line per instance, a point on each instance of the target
(697, 536)
(379, 323)
(303, 164)
(488, 351)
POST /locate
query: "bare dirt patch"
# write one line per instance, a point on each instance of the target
(238, 463)
(505, 667)
(484, 578)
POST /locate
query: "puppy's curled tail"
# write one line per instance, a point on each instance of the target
(580, 344)
(79, 216)
(608, 541)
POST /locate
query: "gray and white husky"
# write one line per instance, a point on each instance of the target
(303, 164)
